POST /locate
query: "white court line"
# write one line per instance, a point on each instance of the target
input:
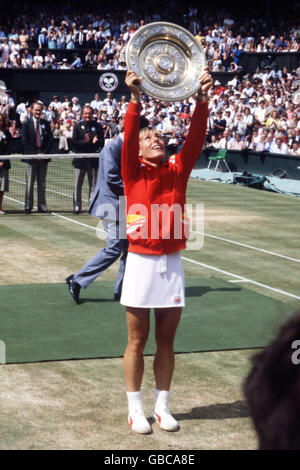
(240, 278)
(78, 223)
(48, 190)
(248, 246)
(63, 217)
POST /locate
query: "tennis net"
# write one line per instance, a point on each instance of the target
(60, 182)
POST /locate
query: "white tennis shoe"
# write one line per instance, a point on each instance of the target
(138, 422)
(165, 419)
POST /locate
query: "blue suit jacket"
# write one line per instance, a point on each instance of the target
(109, 186)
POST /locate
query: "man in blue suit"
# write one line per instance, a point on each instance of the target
(108, 189)
(105, 204)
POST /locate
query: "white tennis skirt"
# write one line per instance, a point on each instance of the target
(152, 281)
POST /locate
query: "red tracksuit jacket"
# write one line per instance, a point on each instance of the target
(156, 196)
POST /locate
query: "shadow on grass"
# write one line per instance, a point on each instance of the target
(83, 301)
(237, 409)
(192, 291)
(197, 291)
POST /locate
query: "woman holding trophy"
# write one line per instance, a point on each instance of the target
(154, 276)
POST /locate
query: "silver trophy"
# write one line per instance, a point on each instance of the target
(168, 59)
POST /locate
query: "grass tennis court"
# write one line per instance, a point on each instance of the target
(250, 260)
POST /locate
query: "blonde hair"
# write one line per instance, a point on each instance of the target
(144, 131)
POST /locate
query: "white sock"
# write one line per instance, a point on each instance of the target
(134, 401)
(161, 399)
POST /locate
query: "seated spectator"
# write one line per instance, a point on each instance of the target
(65, 64)
(77, 63)
(68, 131)
(295, 149)
(38, 59)
(239, 125)
(226, 140)
(279, 146)
(214, 141)
(90, 59)
(237, 143)
(219, 89)
(185, 113)
(260, 142)
(57, 131)
(272, 120)
(268, 142)
(49, 59)
(169, 126)
(76, 106)
(260, 113)
(219, 124)
(292, 122)
(109, 48)
(26, 58)
(55, 103)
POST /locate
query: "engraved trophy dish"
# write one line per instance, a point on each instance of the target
(168, 59)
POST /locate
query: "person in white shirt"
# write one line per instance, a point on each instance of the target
(76, 105)
(252, 106)
(239, 125)
(260, 113)
(295, 149)
(260, 145)
(254, 140)
(38, 58)
(55, 103)
(124, 104)
(279, 147)
(22, 111)
(169, 126)
(96, 103)
(4, 50)
(248, 120)
(228, 118)
(226, 140)
(237, 143)
(248, 90)
(268, 142)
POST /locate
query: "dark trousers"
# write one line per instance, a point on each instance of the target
(80, 173)
(36, 171)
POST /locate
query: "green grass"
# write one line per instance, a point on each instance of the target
(82, 404)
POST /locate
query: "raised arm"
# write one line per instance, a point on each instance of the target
(130, 149)
(195, 138)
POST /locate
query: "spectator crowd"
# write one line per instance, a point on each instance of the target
(257, 111)
(98, 40)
